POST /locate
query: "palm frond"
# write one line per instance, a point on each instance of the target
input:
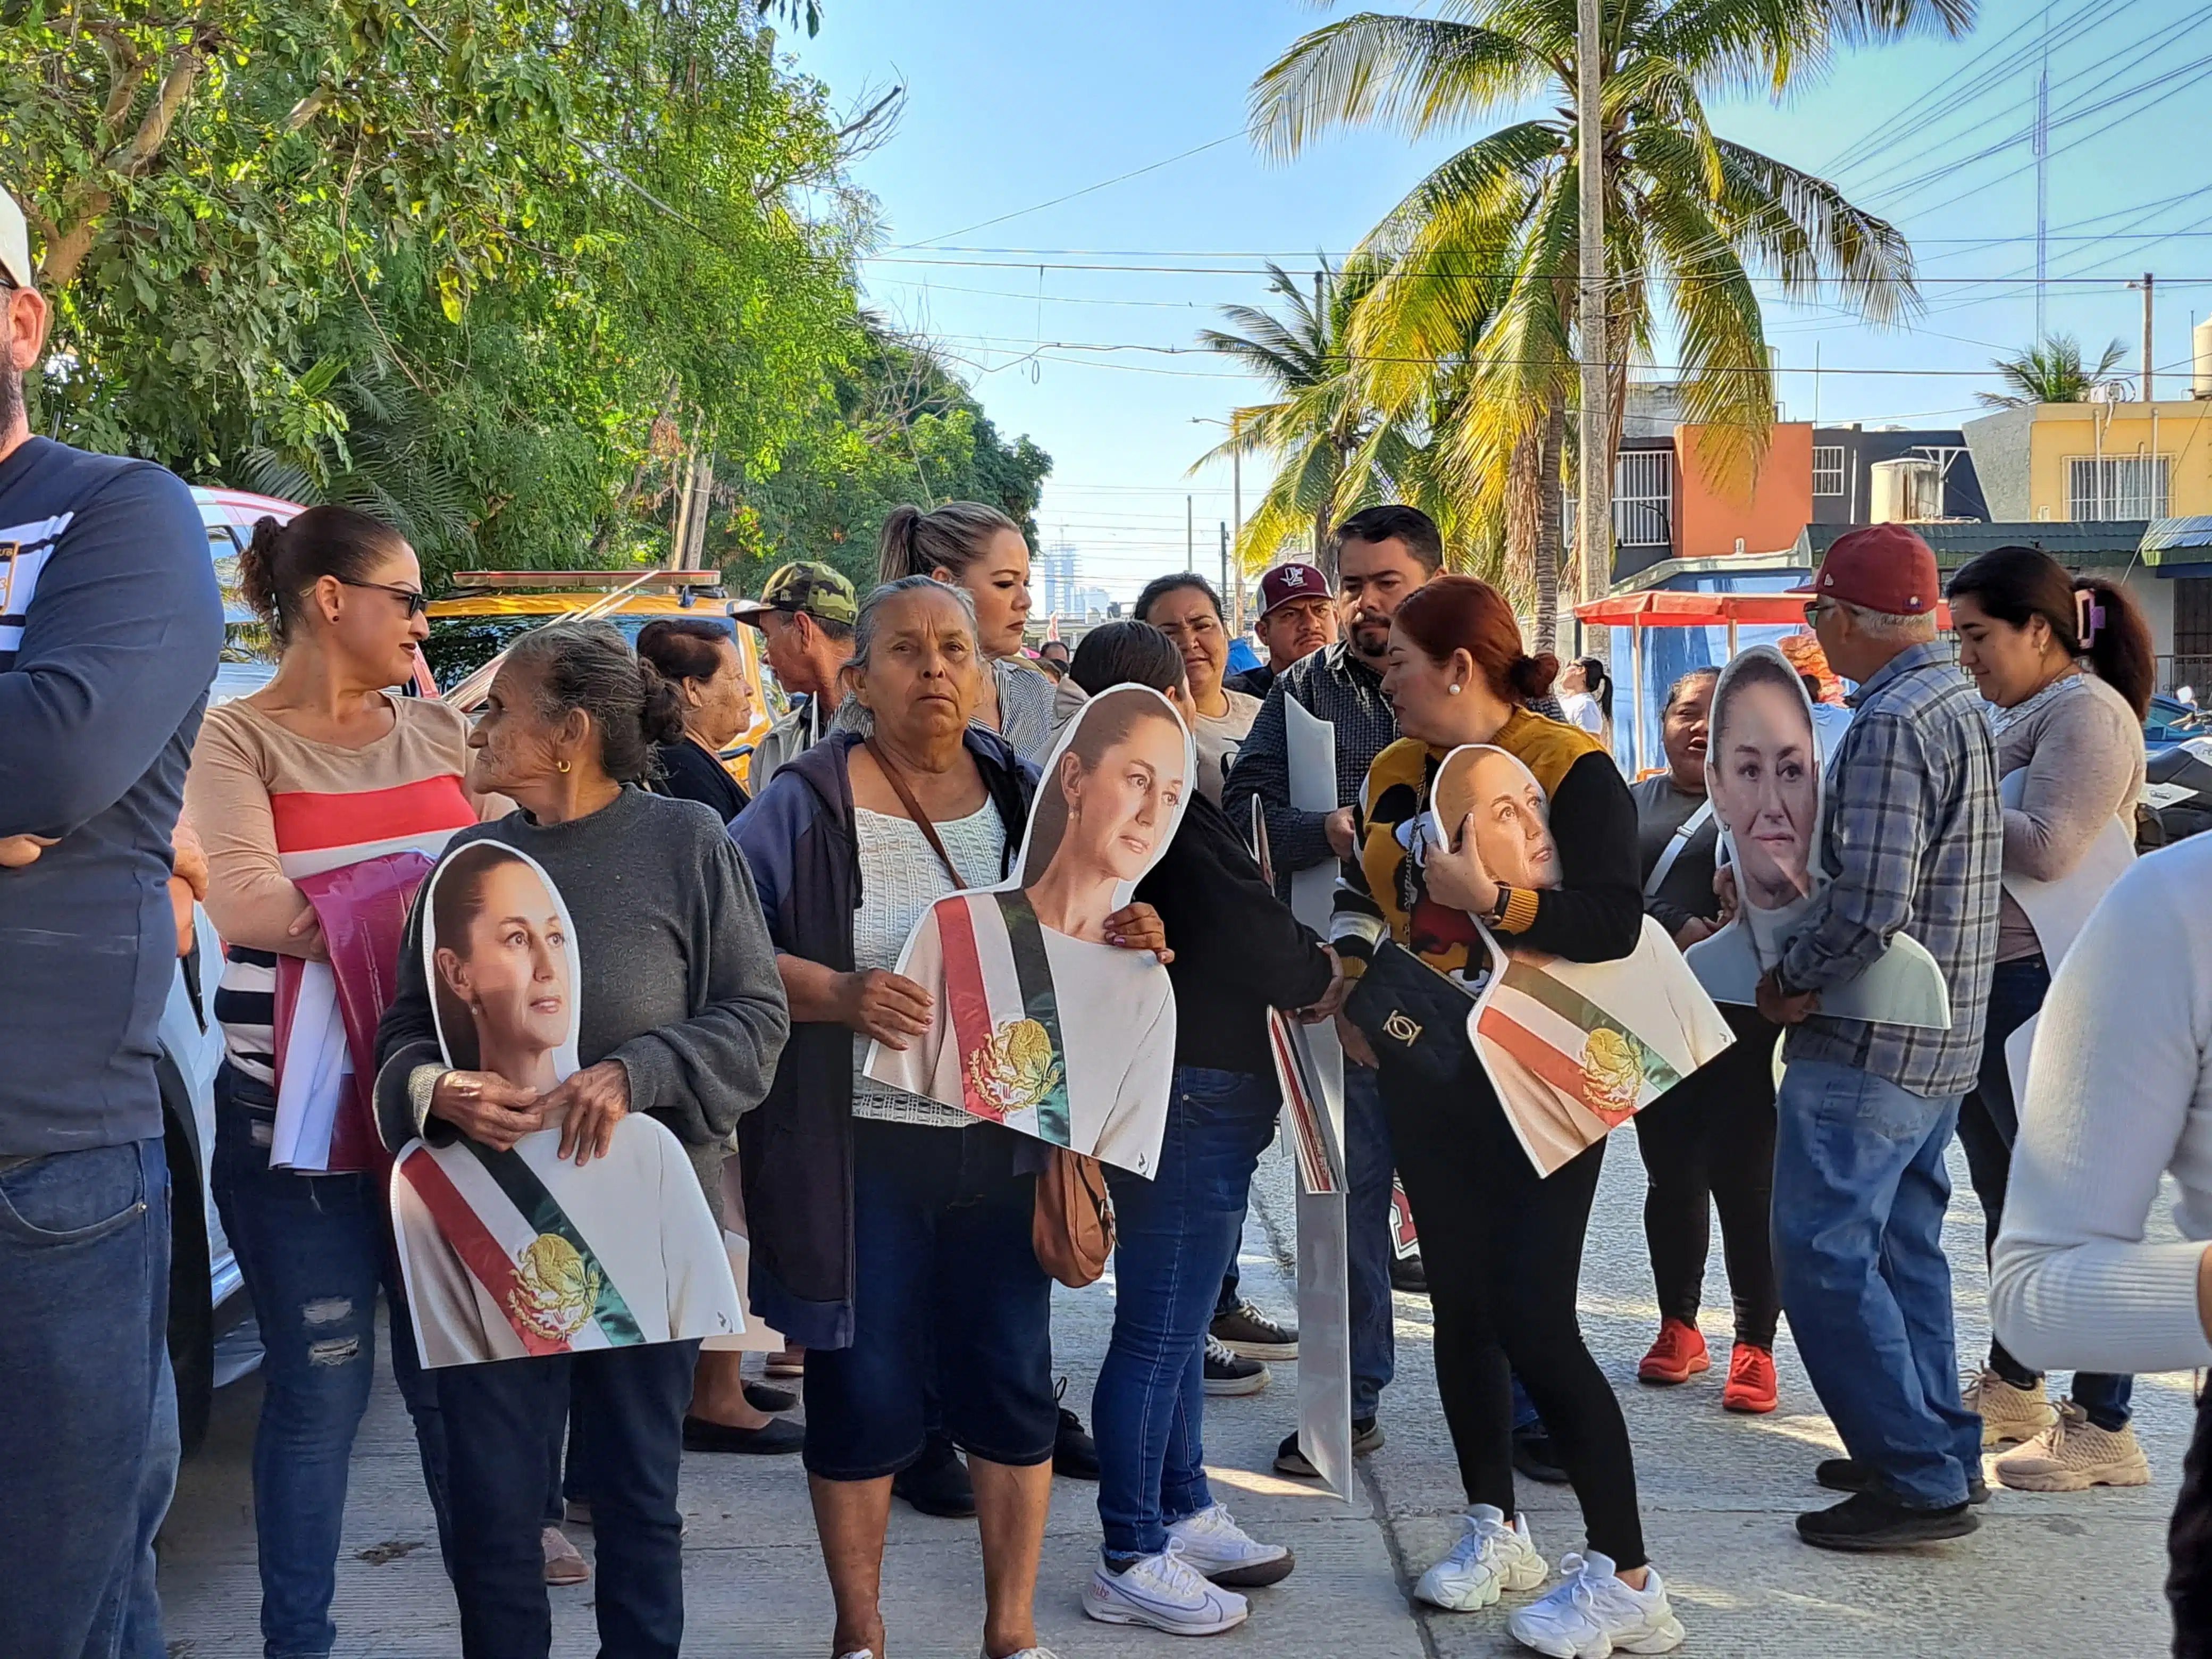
(1416, 74)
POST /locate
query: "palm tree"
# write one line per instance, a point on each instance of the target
(2052, 373)
(1477, 268)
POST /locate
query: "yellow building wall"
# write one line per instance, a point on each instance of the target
(2180, 431)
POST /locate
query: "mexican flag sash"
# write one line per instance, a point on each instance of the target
(1574, 1044)
(1012, 1058)
(531, 1260)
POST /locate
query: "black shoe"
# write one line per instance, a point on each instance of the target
(763, 1398)
(773, 1439)
(1074, 1453)
(1244, 1330)
(1291, 1457)
(936, 1483)
(1534, 1456)
(1842, 1475)
(1868, 1521)
(1407, 1273)
(1228, 1373)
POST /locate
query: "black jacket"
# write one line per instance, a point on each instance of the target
(796, 1150)
(1239, 949)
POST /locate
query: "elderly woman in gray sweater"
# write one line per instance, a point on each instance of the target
(2066, 668)
(680, 1015)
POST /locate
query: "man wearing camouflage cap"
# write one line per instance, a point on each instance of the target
(805, 615)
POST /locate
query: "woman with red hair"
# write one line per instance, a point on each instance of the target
(1503, 1244)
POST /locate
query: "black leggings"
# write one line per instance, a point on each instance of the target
(1709, 1143)
(2189, 1547)
(1503, 1249)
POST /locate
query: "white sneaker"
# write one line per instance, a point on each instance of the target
(1491, 1557)
(1166, 1592)
(1593, 1614)
(1216, 1546)
(1026, 1653)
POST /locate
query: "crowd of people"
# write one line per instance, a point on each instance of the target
(726, 960)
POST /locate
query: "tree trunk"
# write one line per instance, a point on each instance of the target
(1550, 515)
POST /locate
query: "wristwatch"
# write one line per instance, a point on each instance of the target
(1497, 911)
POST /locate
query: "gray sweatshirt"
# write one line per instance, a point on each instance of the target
(678, 980)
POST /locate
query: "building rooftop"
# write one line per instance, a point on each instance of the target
(2072, 543)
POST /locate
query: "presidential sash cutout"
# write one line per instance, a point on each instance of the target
(518, 1254)
(1040, 1025)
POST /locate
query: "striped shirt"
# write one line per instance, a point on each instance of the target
(272, 806)
(1914, 841)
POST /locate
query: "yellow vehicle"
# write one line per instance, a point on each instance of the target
(495, 608)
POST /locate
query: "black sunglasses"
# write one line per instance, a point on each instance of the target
(416, 600)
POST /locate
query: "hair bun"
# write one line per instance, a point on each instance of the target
(1532, 677)
(660, 711)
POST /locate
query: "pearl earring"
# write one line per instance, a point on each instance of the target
(1452, 689)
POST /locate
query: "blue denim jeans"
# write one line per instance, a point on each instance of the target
(89, 1435)
(1989, 1123)
(499, 1418)
(313, 1250)
(1860, 1189)
(1173, 1236)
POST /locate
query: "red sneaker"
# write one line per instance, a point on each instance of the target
(1751, 1382)
(1676, 1357)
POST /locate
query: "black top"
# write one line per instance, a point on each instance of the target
(1239, 949)
(1687, 890)
(689, 773)
(1253, 682)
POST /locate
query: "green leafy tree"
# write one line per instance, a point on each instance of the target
(1478, 265)
(2052, 372)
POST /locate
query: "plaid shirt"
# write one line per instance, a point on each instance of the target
(1914, 841)
(1332, 685)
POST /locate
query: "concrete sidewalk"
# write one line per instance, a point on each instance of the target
(2059, 1576)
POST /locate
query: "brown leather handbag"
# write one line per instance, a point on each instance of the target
(1073, 1227)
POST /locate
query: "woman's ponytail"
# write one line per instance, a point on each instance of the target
(257, 575)
(1530, 677)
(2116, 639)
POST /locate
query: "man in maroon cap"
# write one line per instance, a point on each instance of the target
(1297, 617)
(1912, 842)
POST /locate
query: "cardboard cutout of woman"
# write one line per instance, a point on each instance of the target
(1574, 1048)
(519, 1253)
(1764, 776)
(1041, 1024)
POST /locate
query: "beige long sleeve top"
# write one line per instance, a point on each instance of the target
(2081, 747)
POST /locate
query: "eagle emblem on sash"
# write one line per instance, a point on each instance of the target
(1014, 1070)
(555, 1290)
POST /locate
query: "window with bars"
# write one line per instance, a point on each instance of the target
(1643, 498)
(1827, 469)
(2102, 487)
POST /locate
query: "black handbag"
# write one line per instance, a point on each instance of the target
(1413, 1018)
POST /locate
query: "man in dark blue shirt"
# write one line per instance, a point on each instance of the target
(110, 629)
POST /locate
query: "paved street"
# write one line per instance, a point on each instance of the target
(2057, 1576)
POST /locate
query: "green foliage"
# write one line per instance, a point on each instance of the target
(492, 269)
(898, 427)
(2053, 372)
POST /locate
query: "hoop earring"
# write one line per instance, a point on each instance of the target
(561, 766)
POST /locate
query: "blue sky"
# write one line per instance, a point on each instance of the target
(1012, 105)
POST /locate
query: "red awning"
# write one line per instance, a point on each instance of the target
(1655, 608)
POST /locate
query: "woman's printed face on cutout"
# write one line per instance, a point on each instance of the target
(512, 969)
(1762, 772)
(1119, 811)
(1512, 817)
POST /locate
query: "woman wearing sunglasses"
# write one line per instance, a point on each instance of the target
(321, 769)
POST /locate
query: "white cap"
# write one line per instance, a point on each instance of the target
(14, 243)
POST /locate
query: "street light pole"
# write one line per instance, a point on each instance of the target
(1594, 529)
(1190, 533)
(1236, 512)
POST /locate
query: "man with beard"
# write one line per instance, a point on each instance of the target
(1297, 617)
(110, 628)
(1383, 554)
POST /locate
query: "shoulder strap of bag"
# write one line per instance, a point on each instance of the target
(1685, 833)
(898, 783)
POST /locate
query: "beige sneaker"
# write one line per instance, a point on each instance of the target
(2008, 1415)
(2074, 1455)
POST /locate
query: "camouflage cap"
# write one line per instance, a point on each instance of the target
(804, 584)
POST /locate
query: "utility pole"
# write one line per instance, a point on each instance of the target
(1594, 533)
(2039, 146)
(1236, 512)
(1189, 534)
(1224, 562)
(2146, 285)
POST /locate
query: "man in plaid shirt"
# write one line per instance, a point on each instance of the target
(1912, 842)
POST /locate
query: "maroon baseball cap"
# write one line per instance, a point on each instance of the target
(1286, 582)
(1879, 567)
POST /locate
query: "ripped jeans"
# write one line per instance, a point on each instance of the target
(314, 1250)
